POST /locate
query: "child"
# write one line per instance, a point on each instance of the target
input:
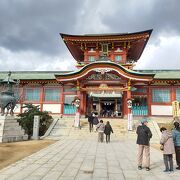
(168, 151)
(107, 131)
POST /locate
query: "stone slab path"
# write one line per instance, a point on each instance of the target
(85, 159)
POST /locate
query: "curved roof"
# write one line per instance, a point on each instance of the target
(138, 42)
(127, 73)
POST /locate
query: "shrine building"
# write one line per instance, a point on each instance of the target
(104, 80)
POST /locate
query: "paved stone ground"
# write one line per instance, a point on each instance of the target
(83, 158)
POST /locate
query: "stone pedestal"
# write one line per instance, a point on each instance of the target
(10, 130)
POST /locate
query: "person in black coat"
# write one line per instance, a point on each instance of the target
(95, 118)
(90, 120)
(143, 137)
(107, 131)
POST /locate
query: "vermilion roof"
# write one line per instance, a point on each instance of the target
(138, 41)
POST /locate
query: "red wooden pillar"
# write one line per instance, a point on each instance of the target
(173, 94)
(85, 56)
(83, 95)
(41, 97)
(124, 103)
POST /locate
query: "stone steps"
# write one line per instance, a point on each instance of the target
(64, 127)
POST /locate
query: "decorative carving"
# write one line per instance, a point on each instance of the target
(106, 76)
(103, 70)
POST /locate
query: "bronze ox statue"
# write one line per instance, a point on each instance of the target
(7, 102)
(8, 99)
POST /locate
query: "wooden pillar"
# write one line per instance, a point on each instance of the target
(85, 56)
(99, 106)
(173, 94)
(41, 97)
(84, 103)
(124, 104)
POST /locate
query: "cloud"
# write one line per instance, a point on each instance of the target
(34, 61)
(164, 56)
(35, 25)
(30, 29)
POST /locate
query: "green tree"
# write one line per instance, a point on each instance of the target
(27, 118)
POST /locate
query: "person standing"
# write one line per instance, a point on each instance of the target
(176, 139)
(107, 131)
(168, 149)
(143, 138)
(90, 120)
(100, 128)
(95, 119)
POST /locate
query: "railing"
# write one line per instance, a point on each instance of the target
(140, 110)
(69, 109)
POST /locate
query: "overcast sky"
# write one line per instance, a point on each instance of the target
(29, 30)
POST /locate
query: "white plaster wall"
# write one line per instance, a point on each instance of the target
(161, 110)
(54, 108)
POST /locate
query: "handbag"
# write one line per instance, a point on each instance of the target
(162, 145)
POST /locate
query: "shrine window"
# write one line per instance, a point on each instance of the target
(32, 94)
(118, 58)
(91, 58)
(52, 94)
(105, 49)
(69, 89)
(140, 90)
(161, 95)
(178, 95)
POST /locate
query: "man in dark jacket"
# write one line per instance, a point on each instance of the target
(90, 120)
(143, 137)
(107, 131)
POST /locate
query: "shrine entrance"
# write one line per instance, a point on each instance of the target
(107, 106)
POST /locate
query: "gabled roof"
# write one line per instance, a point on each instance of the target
(127, 73)
(138, 42)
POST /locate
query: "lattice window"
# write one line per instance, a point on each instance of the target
(52, 94)
(68, 99)
(161, 95)
(178, 95)
(105, 49)
(91, 59)
(140, 90)
(32, 94)
(118, 58)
